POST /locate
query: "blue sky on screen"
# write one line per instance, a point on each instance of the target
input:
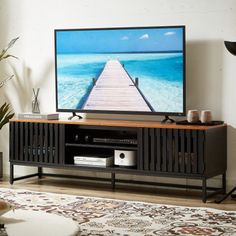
(119, 40)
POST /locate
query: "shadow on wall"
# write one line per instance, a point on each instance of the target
(22, 84)
(4, 12)
(204, 76)
(3, 33)
(3, 42)
(4, 30)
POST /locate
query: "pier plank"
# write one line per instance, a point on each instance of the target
(115, 90)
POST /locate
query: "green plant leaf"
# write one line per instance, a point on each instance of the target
(5, 114)
(8, 55)
(3, 54)
(2, 83)
(12, 42)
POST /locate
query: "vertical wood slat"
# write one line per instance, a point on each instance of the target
(140, 149)
(62, 145)
(182, 151)
(146, 149)
(164, 151)
(176, 150)
(21, 142)
(200, 152)
(170, 150)
(46, 157)
(51, 143)
(36, 142)
(153, 150)
(31, 141)
(158, 149)
(12, 141)
(41, 136)
(26, 142)
(16, 146)
(188, 160)
(195, 152)
(56, 146)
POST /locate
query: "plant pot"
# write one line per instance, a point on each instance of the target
(1, 165)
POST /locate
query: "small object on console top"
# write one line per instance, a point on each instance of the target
(214, 122)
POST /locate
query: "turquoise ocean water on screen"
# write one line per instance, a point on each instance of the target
(160, 77)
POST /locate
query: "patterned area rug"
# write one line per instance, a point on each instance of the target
(100, 216)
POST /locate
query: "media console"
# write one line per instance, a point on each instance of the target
(169, 150)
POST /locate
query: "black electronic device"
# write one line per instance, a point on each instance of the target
(149, 62)
(125, 141)
(85, 139)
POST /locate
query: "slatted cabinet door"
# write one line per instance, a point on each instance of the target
(36, 143)
(177, 151)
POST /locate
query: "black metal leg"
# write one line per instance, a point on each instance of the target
(224, 183)
(12, 178)
(233, 196)
(40, 172)
(204, 190)
(226, 195)
(113, 180)
(11, 173)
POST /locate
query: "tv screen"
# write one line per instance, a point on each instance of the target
(123, 70)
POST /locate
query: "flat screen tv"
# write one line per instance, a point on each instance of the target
(137, 70)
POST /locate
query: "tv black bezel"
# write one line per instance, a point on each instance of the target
(126, 112)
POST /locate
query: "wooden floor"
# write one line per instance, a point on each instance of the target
(134, 193)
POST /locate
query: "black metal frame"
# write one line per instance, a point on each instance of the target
(230, 193)
(113, 180)
(179, 153)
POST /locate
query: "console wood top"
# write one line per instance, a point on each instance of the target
(120, 123)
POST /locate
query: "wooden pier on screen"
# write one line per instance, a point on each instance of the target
(115, 90)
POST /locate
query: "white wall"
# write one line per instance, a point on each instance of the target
(211, 80)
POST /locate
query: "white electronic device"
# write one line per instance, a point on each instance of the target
(103, 161)
(125, 158)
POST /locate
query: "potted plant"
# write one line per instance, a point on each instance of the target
(5, 111)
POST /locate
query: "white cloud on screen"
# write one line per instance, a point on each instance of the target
(144, 36)
(125, 38)
(169, 33)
